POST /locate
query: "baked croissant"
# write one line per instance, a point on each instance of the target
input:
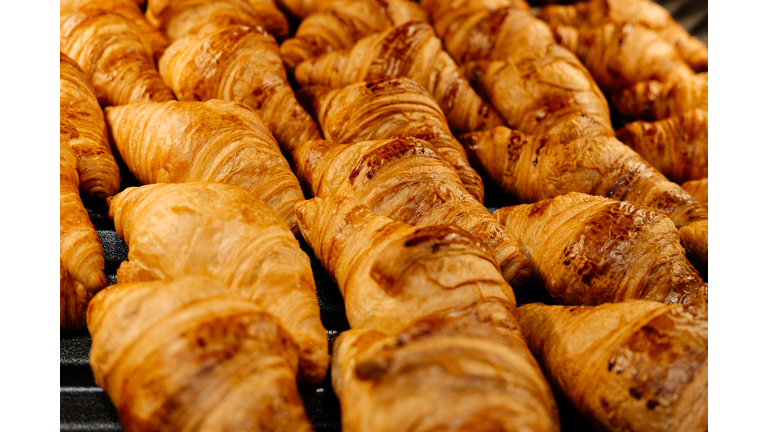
(462, 370)
(589, 250)
(81, 257)
(391, 107)
(97, 169)
(114, 56)
(406, 179)
(223, 232)
(187, 354)
(391, 273)
(341, 23)
(633, 366)
(214, 141)
(410, 50)
(241, 64)
(581, 155)
(652, 100)
(181, 18)
(698, 189)
(129, 9)
(621, 55)
(676, 146)
(595, 12)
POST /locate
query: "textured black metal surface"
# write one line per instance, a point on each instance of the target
(85, 407)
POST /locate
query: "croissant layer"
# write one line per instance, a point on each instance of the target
(225, 233)
(653, 100)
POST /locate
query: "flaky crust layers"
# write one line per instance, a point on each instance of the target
(188, 354)
(81, 257)
(391, 273)
(626, 366)
(698, 189)
(410, 50)
(221, 231)
(215, 141)
(340, 23)
(589, 250)
(97, 170)
(391, 107)
(114, 55)
(595, 12)
(181, 18)
(653, 100)
(458, 370)
(676, 146)
(241, 64)
(407, 180)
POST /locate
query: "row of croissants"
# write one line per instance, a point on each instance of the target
(389, 115)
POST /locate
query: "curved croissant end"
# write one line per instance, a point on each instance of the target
(653, 100)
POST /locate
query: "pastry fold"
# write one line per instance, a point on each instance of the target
(698, 189)
(390, 107)
(626, 366)
(213, 141)
(241, 64)
(273, 18)
(97, 170)
(676, 146)
(225, 233)
(188, 354)
(653, 100)
(114, 55)
(81, 258)
(588, 250)
(407, 180)
(410, 50)
(181, 18)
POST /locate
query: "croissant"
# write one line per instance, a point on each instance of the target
(274, 20)
(410, 50)
(589, 250)
(114, 56)
(241, 64)
(634, 366)
(676, 146)
(596, 12)
(214, 141)
(81, 257)
(466, 370)
(223, 232)
(406, 179)
(698, 189)
(97, 169)
(652, 100)
(129, 9)
(391, 107)
(341, 23)
(181, 18)
(621, 55)
(391, 273)
(187, 354)
(581, 155)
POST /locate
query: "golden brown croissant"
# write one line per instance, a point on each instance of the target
(214, 141)
(633, 366)
(621, 55)
(181, 18)
(187, 354)
(410, 50)
(595, 12)
(221, 231)
(81, 257)
(241, 64)
(114, 55)
(540, 90)
(391, 107)
(676, 146)
(652, 100)
(97, 169)
(580, 155)
(406, 179)
(461, 370)
(129, 9)
(698, 189)
(391, 273)
(589, 250)
(341, 23)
